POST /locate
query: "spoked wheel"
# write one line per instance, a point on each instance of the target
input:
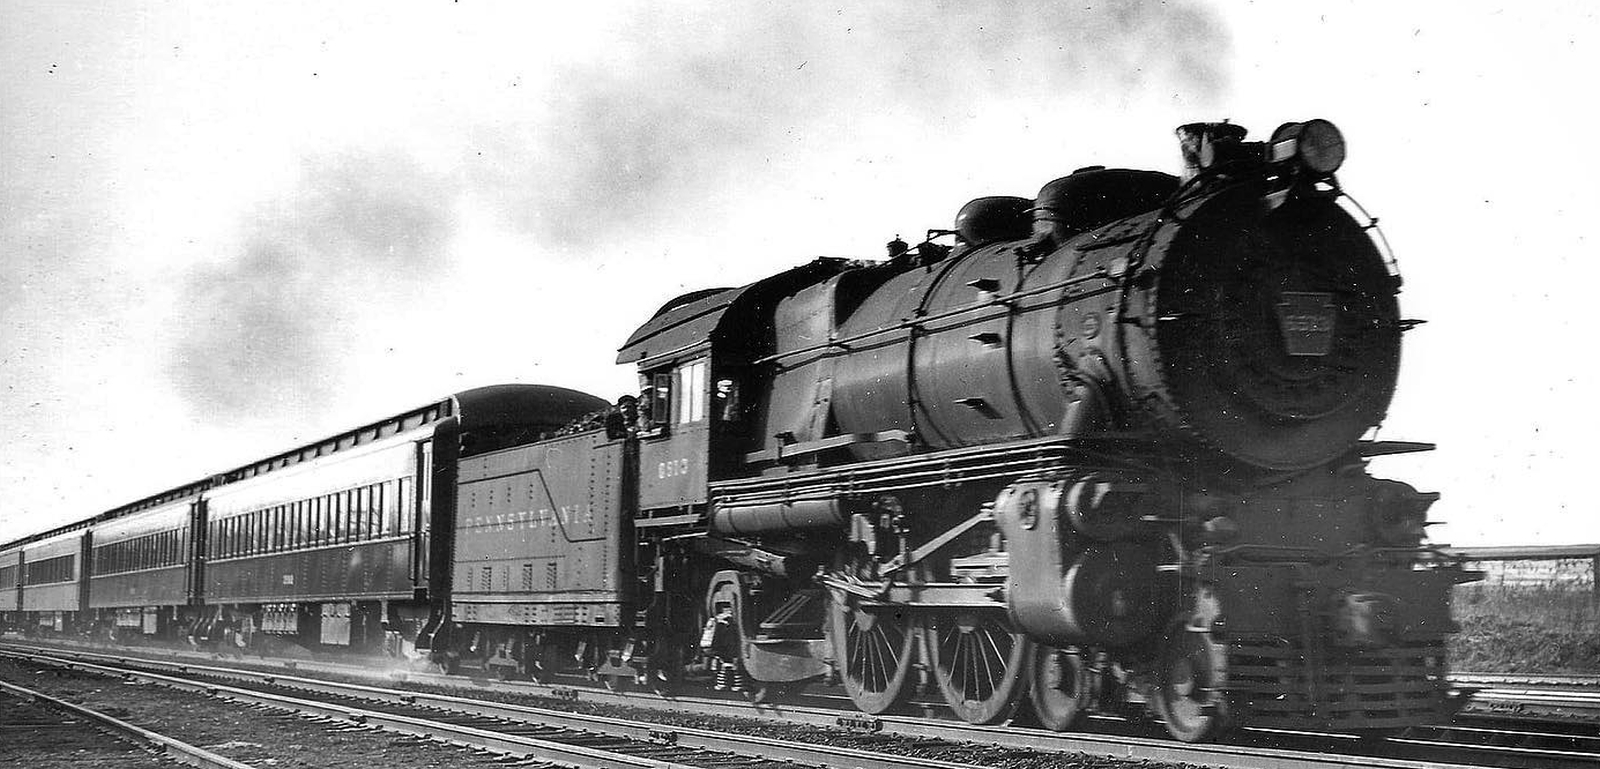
(1059, 687)
(872, 650)
(979, 663)
(1190, 692)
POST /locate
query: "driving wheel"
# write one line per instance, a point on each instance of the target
(873, 649)
(979, 663)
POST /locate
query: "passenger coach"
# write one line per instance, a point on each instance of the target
(142, 576)
(325, 544)
(52, 585)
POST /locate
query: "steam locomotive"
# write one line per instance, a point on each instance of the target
(1099, 450)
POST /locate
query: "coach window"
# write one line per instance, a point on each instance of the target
(374, 511)
(402, 503)
(386, 504)
(341, 513)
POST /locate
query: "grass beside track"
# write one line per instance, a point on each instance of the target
(1538, 629)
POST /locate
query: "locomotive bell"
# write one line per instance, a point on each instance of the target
(1206, 145)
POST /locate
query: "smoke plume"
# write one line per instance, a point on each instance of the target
(263, 331)
(676, 111)
(674, 105)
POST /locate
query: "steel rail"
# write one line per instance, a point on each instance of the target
(1536, 705)
(742, 746)
(1573, 681)
(175, 749)
(1115, 746)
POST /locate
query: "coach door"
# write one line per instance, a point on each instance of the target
(422, 514)
(195, 554)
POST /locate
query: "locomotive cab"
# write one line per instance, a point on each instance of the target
(696, 358)
(674, 442)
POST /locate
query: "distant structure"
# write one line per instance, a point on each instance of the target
(1573, 566)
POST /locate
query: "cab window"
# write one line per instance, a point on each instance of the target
(691, 385)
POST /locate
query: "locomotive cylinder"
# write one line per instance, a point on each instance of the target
(1067, 588)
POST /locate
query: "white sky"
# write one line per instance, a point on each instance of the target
(228, 229)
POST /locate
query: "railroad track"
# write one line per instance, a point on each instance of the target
(1529, 680)
(35, 726)
(1430, 748)
(570, 739)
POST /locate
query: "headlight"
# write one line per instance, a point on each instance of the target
(1316, 144)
